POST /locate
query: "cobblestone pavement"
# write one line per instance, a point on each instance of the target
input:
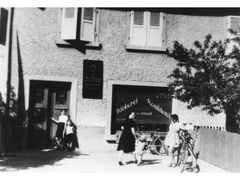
(56, 161)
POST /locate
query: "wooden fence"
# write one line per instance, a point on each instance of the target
(219, 148)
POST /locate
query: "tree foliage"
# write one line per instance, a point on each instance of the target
(208, 74)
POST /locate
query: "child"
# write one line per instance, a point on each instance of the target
(172, 139)
(69, 134)
(140, 146)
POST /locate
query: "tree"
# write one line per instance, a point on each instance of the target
(208, 75)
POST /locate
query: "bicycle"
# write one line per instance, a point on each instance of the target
(155, 142)
(186, 150)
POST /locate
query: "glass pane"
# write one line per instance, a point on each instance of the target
(61, 98)
(88, 14)
(154, 19)
(39, 96)
(69, 12)
(138, 18)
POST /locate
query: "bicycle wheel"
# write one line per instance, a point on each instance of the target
(183, 158)
(156, 145)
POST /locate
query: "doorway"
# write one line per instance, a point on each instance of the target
(46, 100)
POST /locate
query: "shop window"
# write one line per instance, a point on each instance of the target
(146, 30)
(152, 106)
(79, 24)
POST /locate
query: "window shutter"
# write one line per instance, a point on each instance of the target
(138, 28)
(235, 24)
(154, 29)
(163, 28)
(88, 17)
(3, 25)
(69, 23)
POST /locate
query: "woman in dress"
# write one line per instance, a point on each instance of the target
(61, 122)
(172, 139)
(127, 140)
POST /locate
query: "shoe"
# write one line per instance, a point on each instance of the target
(120, 163)
(170, 165)
(189, 169)
(174, 165)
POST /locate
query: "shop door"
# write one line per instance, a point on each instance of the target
(46, 100)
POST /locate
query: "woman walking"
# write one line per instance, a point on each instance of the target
(128, 137)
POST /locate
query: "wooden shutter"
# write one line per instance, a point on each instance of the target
(138, 29)
(69, 23)
(163, 29)
(87, 32)
(235, 24)
(3, 25)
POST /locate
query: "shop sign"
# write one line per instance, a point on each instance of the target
(92, 79)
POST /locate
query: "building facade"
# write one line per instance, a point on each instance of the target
(99, 64)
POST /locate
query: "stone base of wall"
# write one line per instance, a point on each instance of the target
(92, 139)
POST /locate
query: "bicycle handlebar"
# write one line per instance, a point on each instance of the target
(184, 134)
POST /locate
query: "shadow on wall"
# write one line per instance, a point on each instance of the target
(81, 46)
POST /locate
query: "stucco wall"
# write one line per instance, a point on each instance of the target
(37, 33)
(187, 29)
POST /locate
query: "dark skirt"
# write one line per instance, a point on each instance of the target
(126, 142)
(60, 127)
(69, 138)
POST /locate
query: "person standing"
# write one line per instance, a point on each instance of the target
(70, 129)
(172, 139)
(127, 140)
(61, 122)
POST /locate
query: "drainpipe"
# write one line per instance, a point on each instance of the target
(7, 108)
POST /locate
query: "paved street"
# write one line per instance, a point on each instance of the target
(55, 161)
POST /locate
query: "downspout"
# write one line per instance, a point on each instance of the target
(7, 108)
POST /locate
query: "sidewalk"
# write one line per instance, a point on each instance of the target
(56, 161)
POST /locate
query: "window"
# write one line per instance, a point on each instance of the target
(61, 97)
(39, 94)
(146, 30)
(233, 22)
(79, 24)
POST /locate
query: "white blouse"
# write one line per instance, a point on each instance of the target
(63, 119)
(69, 129)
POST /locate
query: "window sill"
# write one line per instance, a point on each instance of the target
(145, 48)
(61, 42)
